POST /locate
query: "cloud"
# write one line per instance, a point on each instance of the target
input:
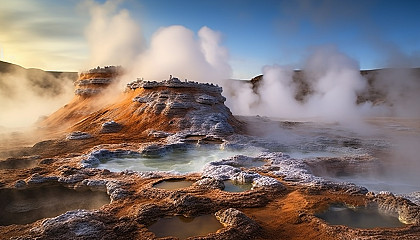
(43, 34)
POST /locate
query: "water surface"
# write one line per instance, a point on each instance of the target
(232, 186)
(360, 217)
(180, 161)
(28, 205)
(184, 227)
(173, 184)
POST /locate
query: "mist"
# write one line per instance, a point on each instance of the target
(333, 79)
(113, 37)
(28, 94)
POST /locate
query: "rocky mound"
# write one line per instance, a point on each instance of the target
(95, 80)
(167, 107)
(88, 92)
(145, 108)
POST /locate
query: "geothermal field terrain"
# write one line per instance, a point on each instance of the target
(210, 120)
(167, 159)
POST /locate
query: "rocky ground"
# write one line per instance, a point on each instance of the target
(157, 118)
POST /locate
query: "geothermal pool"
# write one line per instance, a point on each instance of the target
(231, 186)
(178, 161)
(173, 184)
(359, 217)
(184, 227)
(22, 206)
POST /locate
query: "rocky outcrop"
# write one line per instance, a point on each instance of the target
(78, 224)
(111, 127)
(225, 170)
(78, 135)
(235, 219)
(195, 107)
(406, 211)
(93, 81)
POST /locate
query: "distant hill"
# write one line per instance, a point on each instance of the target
(40, 81)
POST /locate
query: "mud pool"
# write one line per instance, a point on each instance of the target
(358, 217)
(178, 161)
(184, 227)
(173, 184)
(28, 205)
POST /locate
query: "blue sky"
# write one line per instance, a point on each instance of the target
(376, 33)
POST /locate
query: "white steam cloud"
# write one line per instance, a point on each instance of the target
(113, 37)
(333, 79)
(334, 82)
(176, 50)
(25, 95)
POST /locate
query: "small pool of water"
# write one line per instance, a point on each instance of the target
(360, 217)
(173, 184)
(184, 227)
(232, 186)
(180, 161)
(28, 205)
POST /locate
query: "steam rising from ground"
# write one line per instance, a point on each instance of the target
(334, 84)
(333, 78)
(176, 50)
(114, 38)
(334, 81)
(25, 95)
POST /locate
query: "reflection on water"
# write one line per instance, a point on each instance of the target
(173, 184)
(181, 161)
(184, 227)
(360, 217)
(28, 205)
(232, 186)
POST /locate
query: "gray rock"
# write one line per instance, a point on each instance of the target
(158, 134)
(219, 172)
(74, 224)
(413, 197)
(246, 177)
(206, 99)
(74, 178)
(115, 191)
(111, 127)
(91, 162)
(95, 184)
(20, 184)
(210, 183)
(37, 179)
(406, 211)
(264, 181)
(154, 150)
(86, 92)
(78, 136)
(236, 219)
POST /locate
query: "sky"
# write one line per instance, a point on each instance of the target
(52, 35)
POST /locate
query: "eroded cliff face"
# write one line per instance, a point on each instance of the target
(152, 120)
